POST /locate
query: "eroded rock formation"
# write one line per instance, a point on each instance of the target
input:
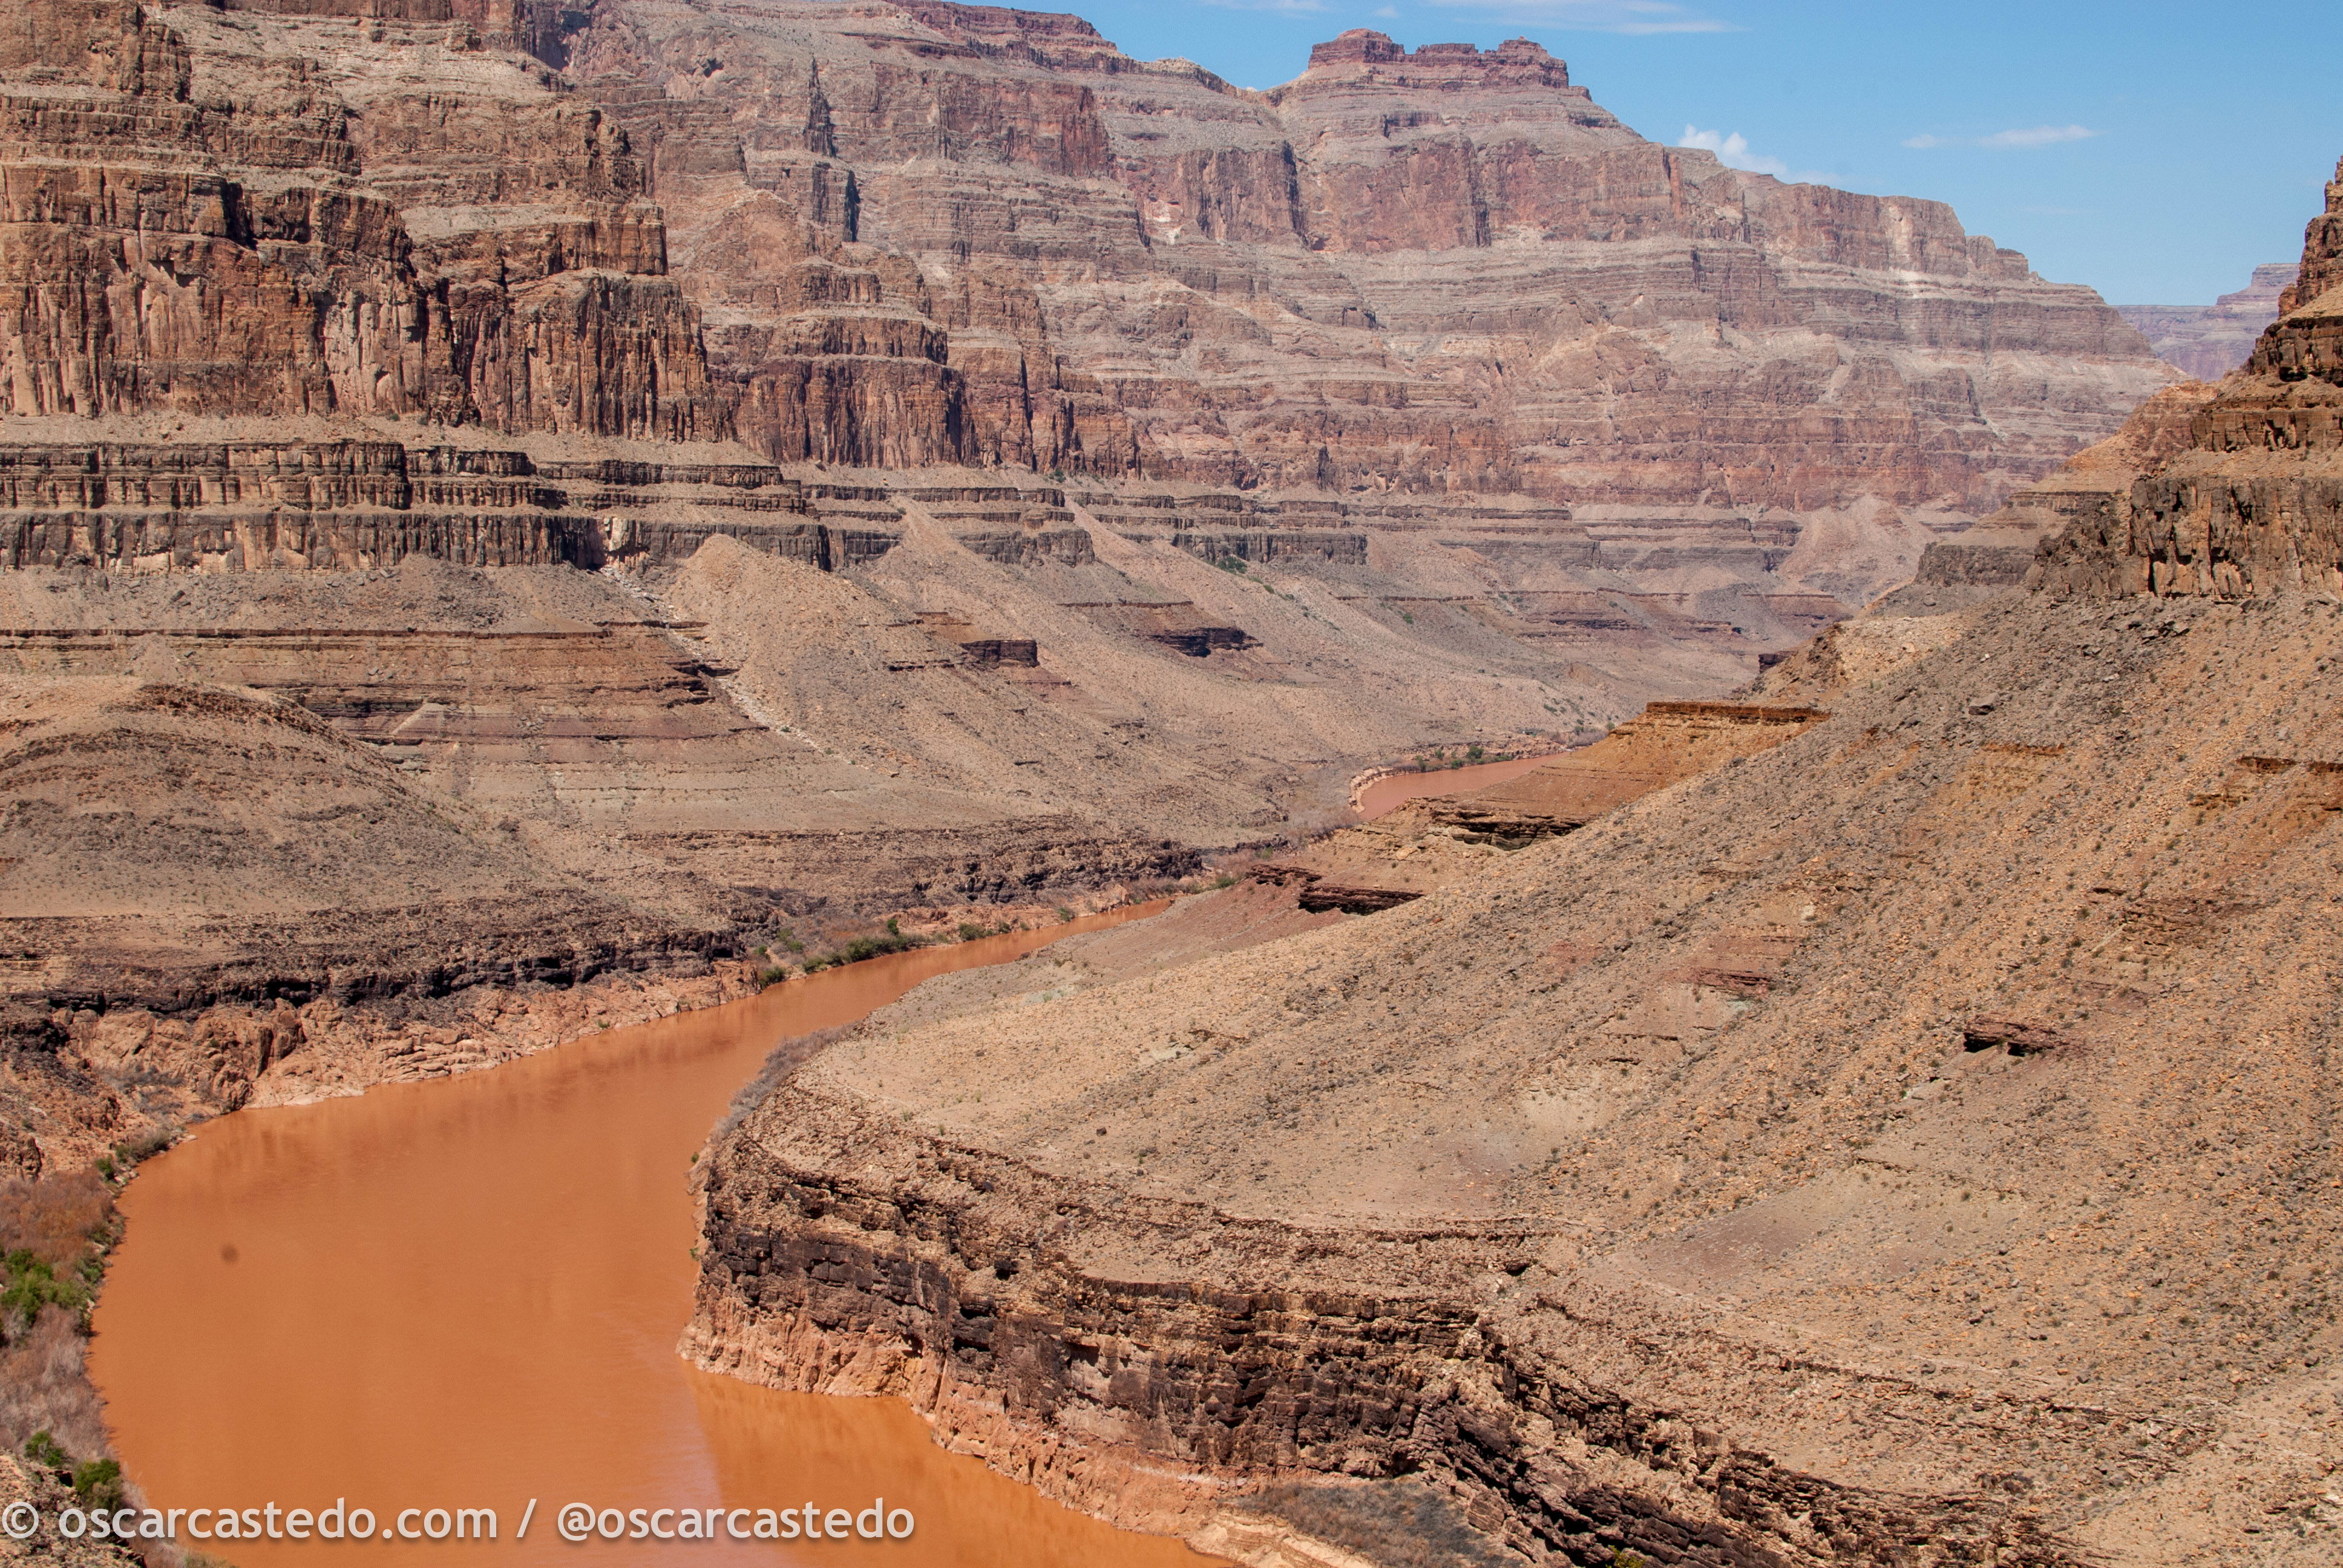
(1433, 271)
(2253, 503)
(243, 213)
(897, 237)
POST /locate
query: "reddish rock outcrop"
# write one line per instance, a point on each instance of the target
(905, 236)
(2252, 502)
(353, 505)
(209, 217)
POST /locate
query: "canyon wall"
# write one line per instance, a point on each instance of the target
(891, 238)
(268, 213)
(1432, 271)
(649, 474)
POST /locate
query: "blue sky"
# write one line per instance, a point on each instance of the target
(2155, 151)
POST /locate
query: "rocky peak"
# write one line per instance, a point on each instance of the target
(2208, 341)
(2322, 251)
(2270, 282)
(1036, 37)
(2251, 503)
(1000, 21)
(1363, 51)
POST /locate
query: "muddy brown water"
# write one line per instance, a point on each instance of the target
(1385, 793)
(465, 1293)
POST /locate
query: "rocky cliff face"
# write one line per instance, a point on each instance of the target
(906, 236)
(1431, 271)
(272, 213)
(2252, 502)
(1906, 1142)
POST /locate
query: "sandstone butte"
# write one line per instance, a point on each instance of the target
(1889, 1118)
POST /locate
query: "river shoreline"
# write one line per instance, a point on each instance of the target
(409, 1222)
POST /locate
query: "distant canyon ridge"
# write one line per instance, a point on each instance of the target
(900, 235)
(2208, 341)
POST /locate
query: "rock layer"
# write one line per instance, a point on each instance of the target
(244, 213)
(1714, 1161)
(2252, 504)
(1431, 271)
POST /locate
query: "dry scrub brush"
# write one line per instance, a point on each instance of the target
(54, 1232)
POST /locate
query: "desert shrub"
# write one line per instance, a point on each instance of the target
(773, 976)
(861, 948)
(43, 1450)
(145, 1146)
(97, 1483)
(43, 1388)
(1224, 880)
(31, 1283)
(970, 931)
(54, 1218)
(1064, 914)
(1232, 564)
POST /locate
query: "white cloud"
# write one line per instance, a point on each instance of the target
(1595, 16)
(2038, 137)
(1388, 13)
(1285, 7)
(1732, 152)
(2024, 137)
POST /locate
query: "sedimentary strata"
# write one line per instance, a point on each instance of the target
(1880, 1107)
(1073, 258)
(1909, 1142)
(936, 235)
(2251, 505)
